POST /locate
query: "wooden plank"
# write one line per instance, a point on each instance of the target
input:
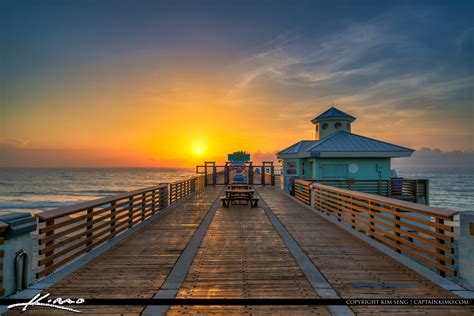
(346, 261)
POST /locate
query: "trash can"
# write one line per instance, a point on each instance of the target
(397, 186)
(17, 251)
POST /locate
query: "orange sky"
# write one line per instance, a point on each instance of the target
(174, 86)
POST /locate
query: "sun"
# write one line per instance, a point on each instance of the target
(198, 151)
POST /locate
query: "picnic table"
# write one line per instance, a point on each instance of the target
(239, 186)
(237, 196)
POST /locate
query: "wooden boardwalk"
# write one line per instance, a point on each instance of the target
(242, 255)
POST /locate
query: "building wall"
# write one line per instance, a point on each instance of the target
(367, 168)
(321, 133)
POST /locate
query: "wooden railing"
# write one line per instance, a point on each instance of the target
(3, 229)
(219, 174)
(68, 232)
(420, 231)
(411, 190)
(182, 188)
(303, 191)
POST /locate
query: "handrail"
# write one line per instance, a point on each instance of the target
(412, 190)
(68, 232)
(420, 231)
(71, 209)
(412, 207)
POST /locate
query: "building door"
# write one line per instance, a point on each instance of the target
(310, 171)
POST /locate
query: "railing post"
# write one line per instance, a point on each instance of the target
(214, 174)
(352, 213)
(90, 218)
(272, 175)
(262, 175)
(143, 206)
(205, 173)
(48, 254)
(441, 242)
(226, 174)
(112, 220)
(130, 212)
(153, 206)
(371, 223)
(164, 197)
(250, 174)
(397, 218)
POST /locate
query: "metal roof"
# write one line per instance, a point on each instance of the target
(342, 144)
(300, 146)
(332, 113)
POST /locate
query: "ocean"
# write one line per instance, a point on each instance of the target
(39, 189)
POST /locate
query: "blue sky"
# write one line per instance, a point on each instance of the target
(404, 68)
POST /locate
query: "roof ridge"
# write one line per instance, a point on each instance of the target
(333, 112)
(320, 142)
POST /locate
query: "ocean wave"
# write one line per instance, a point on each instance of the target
(65, 193)
(38, 205)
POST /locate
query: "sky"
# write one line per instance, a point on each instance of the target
(173, 83)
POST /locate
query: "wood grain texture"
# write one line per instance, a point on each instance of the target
(242, 256)
(354, 268)
(138, 265)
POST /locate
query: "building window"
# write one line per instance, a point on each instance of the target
(302, 168)
(291, 168)
(348, 126)
(317, 127)
(337, 125)
(325, 125)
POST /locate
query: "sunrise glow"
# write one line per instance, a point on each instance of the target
(174, 95)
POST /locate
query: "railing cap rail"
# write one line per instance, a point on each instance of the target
(71, 209)
(419, 208)
(184, 180)
(304, 182)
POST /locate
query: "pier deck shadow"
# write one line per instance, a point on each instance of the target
(243, 255)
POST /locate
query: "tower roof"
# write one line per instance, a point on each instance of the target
(332, 113)
(344, 144)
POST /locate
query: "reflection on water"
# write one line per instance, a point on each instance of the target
(39, 189)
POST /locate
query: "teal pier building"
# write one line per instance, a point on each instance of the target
(338, 154)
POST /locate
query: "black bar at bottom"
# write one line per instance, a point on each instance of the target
(256, 301)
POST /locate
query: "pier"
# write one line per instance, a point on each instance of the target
(178, 241)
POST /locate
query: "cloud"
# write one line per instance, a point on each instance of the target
(258, 156)
(435, 158)
(13, 143)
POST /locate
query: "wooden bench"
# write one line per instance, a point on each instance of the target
(226, 200)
